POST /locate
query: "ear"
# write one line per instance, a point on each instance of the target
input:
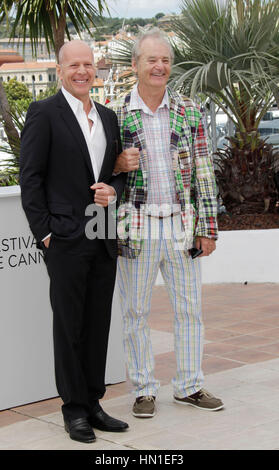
(59, 72)
(134, 66)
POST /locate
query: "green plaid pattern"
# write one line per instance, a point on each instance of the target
(193, 171)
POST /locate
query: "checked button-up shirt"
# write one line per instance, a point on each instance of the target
(161, 181)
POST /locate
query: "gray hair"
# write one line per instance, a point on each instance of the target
(154, 33)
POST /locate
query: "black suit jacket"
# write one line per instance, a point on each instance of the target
(56, 171)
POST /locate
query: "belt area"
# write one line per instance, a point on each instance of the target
(163, 216)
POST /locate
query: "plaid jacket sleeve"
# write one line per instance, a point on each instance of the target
(205, 185)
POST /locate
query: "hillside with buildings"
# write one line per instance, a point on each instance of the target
(17, 61)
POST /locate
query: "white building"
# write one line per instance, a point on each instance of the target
(37, 76)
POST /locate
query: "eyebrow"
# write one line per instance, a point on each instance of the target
(155, 57)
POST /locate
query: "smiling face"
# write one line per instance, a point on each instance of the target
(153, 66)
(76, 69)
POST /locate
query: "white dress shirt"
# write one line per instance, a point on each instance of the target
(95, 138)
(161, 192)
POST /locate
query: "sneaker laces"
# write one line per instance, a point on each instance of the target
(145, 398)
(206, 393)
(201, 393)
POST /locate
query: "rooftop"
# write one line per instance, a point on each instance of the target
(9, 55)
(13, 66)
(98, 82)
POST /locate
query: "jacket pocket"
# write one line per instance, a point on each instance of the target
(62, 222)
(60, 208)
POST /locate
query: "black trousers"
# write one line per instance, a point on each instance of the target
(82, 278)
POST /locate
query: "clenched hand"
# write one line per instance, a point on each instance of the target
(207, 245)
(127, 161)
(104, 194)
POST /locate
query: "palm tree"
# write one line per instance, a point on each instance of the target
(47, 19)
(9, 127)
(229, 52)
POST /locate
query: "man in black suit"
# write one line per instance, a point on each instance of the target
(68, 149)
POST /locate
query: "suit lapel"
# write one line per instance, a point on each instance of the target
(134, 123)
(177, 118)
(107, 124)
(75, 129)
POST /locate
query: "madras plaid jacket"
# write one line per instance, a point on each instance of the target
(193, 170)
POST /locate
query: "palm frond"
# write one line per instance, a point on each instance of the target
(229, 51)
(121, 52)
(33, 18)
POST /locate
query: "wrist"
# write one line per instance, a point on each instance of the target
(116, 168)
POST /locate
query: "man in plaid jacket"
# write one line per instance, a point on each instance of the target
(168, 208)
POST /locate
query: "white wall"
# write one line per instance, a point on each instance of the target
(242, 255)
(26, 348)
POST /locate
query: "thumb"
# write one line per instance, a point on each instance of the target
(97, 185)
(198, 243)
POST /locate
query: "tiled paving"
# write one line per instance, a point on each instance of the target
(241, 364)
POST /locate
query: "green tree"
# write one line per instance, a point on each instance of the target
(50, 91)
(47, 19)
(16, 91)
(19, 99)
(159, 15)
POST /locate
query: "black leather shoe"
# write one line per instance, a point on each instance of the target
(80, 430)
(101, 420)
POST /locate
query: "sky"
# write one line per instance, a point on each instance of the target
(142, 8)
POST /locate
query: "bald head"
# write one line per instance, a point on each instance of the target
(73, 48)
(76, 69)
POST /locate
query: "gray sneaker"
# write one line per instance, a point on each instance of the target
(144, 407)
(202, 400)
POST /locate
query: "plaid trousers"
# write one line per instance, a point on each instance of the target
(136, 278)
